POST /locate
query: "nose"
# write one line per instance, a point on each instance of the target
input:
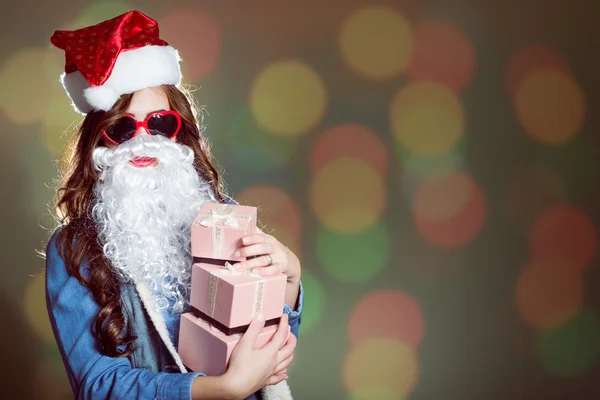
(142, 131)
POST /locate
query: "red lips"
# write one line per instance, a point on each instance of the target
(142, 162)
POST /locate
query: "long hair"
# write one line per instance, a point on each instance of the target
(78, 238)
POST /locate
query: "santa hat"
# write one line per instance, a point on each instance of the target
(115, 57)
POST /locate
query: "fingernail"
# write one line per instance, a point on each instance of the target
(236, 265)
(255, 272)
(286, 377)
(237, 254)
(244, 240)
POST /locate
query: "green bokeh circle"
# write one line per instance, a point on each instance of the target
(314, 301)
(254, 148)
(354, 258)
(572, 349)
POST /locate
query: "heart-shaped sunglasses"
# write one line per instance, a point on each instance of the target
(163, 123)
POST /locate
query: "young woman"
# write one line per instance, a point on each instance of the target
(118, 266)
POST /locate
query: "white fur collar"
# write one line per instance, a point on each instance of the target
(281, 391)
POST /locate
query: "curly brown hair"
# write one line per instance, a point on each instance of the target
(74, 200)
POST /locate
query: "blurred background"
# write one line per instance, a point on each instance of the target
(434, 164)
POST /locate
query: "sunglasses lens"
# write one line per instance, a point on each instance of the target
(164, 125)
(122, 130)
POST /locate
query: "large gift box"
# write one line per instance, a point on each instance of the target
(204, 348)
(233, 298)
(218, 229)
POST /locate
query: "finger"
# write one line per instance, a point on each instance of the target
(258, 262)
(255, 249)
(280, 335)
(275, 379)
(267, 271)
(282, 367)
(254, 238)
(287, 351)
(251, 334)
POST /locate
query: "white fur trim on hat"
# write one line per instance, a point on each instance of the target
(74, 84)
(134, 70)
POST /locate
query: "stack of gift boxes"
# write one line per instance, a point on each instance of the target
(225, 300)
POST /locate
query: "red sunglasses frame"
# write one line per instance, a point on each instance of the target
(144, 124)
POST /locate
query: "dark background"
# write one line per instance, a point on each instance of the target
(433, 163)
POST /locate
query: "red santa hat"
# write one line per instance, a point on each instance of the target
(115, 57)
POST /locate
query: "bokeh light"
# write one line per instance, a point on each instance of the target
(531, 188)
(25, 84)
(350, 140)
(381, 364)
(354, 258)
(530, 58)
(551, 106)
(443, 196)
(427, 118)
(314, 298)
(59, 122)
(197, 37)
(548, 293)
(386, 313)
(278, 213)
(572, 349)
(254, 148)
(51, 381)
(375, 393)
(35, 308)
(99, 11)
(416, 168)
(288, 98)
(30, 153)
(348, 195)
(449, 209)
(51, 352)
(577, 162)
(376, 42)
(442, 53)
(564, 232)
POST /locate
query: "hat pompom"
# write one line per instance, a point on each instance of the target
(102, 97)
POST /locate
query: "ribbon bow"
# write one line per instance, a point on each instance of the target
(220, 216)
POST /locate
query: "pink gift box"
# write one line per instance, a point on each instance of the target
(234, 298)
(218, 229)
(205, 349)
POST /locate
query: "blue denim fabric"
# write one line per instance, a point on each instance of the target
(148, 373)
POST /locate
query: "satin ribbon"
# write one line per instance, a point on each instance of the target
(217, 218)
(221, 216)
(229, 270)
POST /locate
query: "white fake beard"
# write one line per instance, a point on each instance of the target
(144, 215)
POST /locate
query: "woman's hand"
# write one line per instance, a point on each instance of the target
(251, 368)
(270, 256)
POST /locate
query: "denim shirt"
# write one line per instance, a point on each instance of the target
(148, 373)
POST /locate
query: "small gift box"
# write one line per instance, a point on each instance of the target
(204, 348)
(233, 298)
(218, 229)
